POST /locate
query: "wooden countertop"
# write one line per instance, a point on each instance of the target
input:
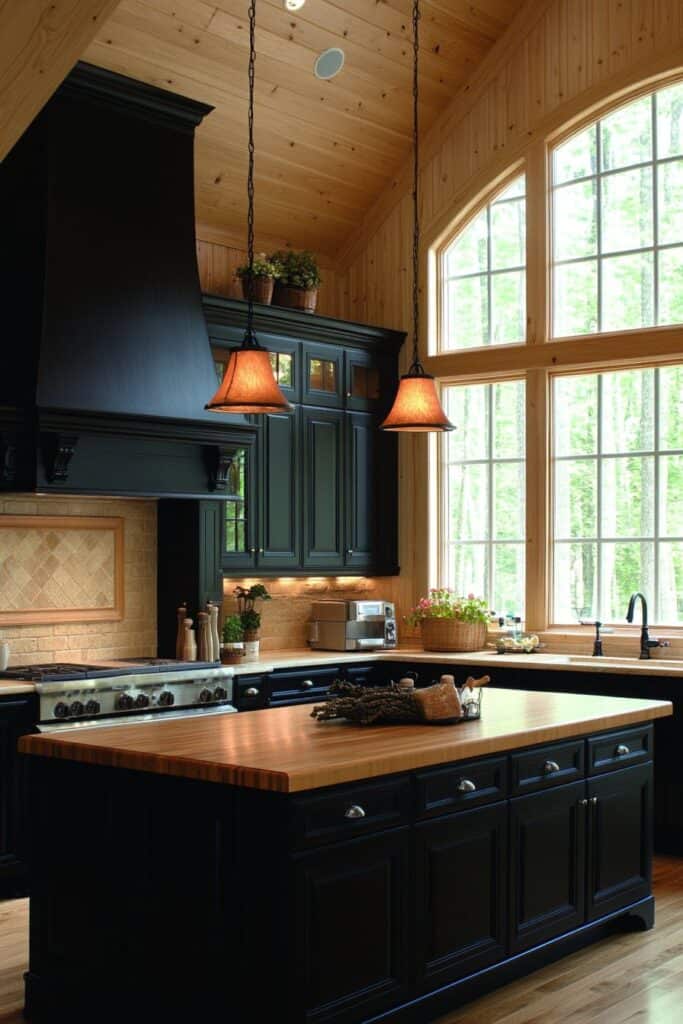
(658, 665)
(285, 750)
(11, 687)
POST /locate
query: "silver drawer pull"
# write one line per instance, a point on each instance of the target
(466, 786)
(622, 750)
(355, 812)
(307, 684)
(252, 691)
(550, 767)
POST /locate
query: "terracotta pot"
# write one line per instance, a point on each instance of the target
(231, 654)
(305, 299)
(261, 289)
(451, 635)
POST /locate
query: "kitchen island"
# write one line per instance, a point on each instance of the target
(266, 867)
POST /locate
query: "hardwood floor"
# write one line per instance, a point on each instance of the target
(635, 978)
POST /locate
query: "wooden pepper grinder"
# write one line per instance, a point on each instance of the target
(189, 642)
(180, 634)
(215, 639)
(203, 637)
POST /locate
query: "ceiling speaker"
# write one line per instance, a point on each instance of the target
(329, 63)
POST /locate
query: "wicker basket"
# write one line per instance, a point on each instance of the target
(305, 299)
(451, 635)
(260, 287)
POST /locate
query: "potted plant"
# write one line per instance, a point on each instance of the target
(232, 648)
(259, 279)
(250, 619)
(299, 279)
(449, 622)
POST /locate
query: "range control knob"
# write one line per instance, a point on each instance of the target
(205, 696)
(166, 698)
(142, 700)
(220, 693)
(92, 707)
(76, 709)
(124, 702)
(61, 710)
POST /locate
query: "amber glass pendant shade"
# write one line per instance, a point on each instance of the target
(248, 385)
(417, 407)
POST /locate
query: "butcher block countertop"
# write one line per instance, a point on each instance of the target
(285, 750)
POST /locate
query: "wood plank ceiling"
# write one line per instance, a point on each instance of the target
(324, 150)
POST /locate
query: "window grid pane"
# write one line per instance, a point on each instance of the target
(483, 494)
(629, 164)
(618, 515)
(483, 276)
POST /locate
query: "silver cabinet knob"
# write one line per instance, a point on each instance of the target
(593, 800)
(307, 684)
(550, 767)
(252, 691)
(622, 750)
(349, 551)
(354, 813)
(466, 786)
(583, 803)
(252, 551)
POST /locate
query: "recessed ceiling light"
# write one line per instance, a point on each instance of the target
(329, 63)
(293, 5)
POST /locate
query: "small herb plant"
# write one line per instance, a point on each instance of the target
(233, 630)
(446, 604)
(264, 266)
(250, 619)
(298, 269)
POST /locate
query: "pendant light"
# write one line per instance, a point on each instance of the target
(249, 385)
(416, 408)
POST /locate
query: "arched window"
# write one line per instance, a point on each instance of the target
(617, 219)
(483, 279)
(561, 491)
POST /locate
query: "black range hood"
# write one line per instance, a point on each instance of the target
(106, 364)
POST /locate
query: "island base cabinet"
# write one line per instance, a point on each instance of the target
(461, 886)
(351, 944)
(548, 873)
(619, 839)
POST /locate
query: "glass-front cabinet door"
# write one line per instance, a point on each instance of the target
(362, 380)
(323, 375)
(239, 526)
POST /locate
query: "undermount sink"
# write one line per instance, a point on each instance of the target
(586, 659)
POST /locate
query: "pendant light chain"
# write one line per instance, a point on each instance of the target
(416, 364)
(250, 174)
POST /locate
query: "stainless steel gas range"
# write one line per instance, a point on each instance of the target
(77, 696)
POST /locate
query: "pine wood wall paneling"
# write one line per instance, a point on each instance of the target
(328, 149)
(560, 61)
(40, 41)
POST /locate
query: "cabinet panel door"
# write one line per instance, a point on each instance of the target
(361, 490)
(16, 719)
(279, 540)
(620, 839)
(239, 527)
(323, 488)
(351, 906)
(547, 865)
(461, 881)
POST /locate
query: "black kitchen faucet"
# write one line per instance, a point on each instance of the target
(646, 641)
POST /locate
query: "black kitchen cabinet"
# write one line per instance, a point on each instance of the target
(320, 492)
(279, 511)
(619, 839)
(461, 890)
(323, 431)
(17, 717)
(547, 865)
(350, 934)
